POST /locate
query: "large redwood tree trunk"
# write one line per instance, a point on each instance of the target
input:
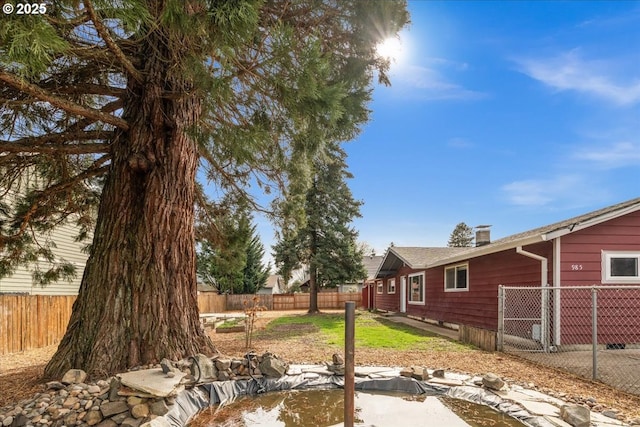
(138, 298)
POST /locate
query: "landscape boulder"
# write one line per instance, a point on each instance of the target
(576, 415)
(492, 381)
(271, 366)
(74, 376)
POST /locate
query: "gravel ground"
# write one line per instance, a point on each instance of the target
(20, 372)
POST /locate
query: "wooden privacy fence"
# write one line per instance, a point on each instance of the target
(325, 300)
(33, 321)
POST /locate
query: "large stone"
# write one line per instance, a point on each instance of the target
(153, 382)
(74, 376)
(166, 366)
(114, 387)
(108, 423)
(55, 385)
(19, 421)
(112, 408)
(406, 372)
(576, 415)
(438, 373)
(492, 381)
(159, 408)
(223, 364)
(134, 400)
(70, 402)
(205, 367)
(419, 373)
(93, 417)
(337, 359)
(140, 411)
(272, 367)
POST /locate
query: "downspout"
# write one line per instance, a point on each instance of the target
(544, 321)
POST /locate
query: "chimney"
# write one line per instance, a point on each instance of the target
(483, 235)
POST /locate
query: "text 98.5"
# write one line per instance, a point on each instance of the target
(25, 8)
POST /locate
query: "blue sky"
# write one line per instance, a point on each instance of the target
(515, 114)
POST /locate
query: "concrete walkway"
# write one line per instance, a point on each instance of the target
(425, 326)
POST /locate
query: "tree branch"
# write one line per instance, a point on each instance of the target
(54, 138)
(93, 89)
(13, 147)
(61, 103)
(104, 33)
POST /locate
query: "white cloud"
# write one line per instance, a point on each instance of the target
(557, 191)
(616, 155)
(428, 83)
(570, 72)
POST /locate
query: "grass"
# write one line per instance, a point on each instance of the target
(231, 323)
(371, 331)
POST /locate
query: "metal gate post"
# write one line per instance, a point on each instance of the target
(594, 331)
(500, 342)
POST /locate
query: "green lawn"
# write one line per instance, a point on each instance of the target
(372, 331)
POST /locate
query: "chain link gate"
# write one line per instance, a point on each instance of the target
(591, 331)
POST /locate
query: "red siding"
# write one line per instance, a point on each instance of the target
(479, 305)
(581, 265)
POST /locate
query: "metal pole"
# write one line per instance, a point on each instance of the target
(594, 331)
(500, 343)
(349, 368)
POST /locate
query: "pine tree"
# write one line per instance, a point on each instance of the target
(254, 274)
(327, 243)
(114, 106)
(461, 236)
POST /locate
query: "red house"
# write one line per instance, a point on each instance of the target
(460, 285)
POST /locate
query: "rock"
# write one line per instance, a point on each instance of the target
(74, 376)
(7, 421)
(337, 359)
(419, 373)
(166, 366)
(55, 385)
(94, 389)
(19, 421)
(223, 364)
(118, 419)
(134, 400)
(272, 367)
(159, 408)
(70, 402)
(576, 415)
(223, 376)
(406, 372)
(206, 367)
(611, 414)
(438, 373)
(108, 423)
(112, 408)
(131, 422)
(93, 417)
(71, 418)
(114, 386)
(140, 411)
(171, 374)
(492, 381)
(336, 369)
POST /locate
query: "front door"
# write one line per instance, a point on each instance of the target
(403, 294)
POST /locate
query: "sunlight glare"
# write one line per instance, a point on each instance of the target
(390, 48)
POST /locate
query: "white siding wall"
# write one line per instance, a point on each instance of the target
(67, 249)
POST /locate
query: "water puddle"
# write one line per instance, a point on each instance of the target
(323, 408)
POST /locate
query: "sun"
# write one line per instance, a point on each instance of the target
(390, 49)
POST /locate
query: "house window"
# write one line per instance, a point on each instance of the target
(620, 267)
(391, 286)
(416, 288)
(456, 278)
(379, 288)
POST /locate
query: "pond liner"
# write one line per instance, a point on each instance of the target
(190, 402)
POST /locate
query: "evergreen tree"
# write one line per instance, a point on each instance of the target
(327, 243)
(461, 236)
(114, 106)
(223, 233)
(254, 274)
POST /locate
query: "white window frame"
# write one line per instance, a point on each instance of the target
(379, 287)
(606, 267)
(409, 300)
(455, 285)
(391, 286)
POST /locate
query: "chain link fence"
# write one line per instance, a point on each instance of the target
(593, 331)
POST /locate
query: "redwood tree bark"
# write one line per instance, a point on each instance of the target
(138, 299)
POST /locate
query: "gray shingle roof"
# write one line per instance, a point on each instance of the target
(371, 264)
